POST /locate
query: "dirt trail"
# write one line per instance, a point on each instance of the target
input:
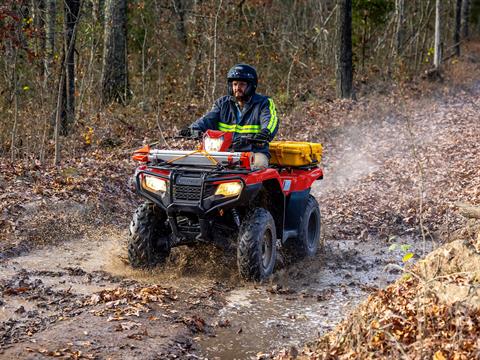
(79, 299)
(49, 305)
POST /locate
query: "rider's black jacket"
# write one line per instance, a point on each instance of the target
(258, 115)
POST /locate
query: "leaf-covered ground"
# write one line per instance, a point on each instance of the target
(409, 159)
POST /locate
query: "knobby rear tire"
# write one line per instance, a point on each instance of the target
(308, 240)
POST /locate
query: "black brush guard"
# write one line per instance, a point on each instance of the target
(191, 195)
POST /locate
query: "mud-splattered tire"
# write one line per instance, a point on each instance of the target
(308, 239)
(257, 251)
(149, 237)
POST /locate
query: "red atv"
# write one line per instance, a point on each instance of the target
(213, 195)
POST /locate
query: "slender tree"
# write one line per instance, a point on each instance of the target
(400, 31)
(39, 22)
(344, 64)
(51, 16)
(179, 7)
(71, 15)
(465, 18)
(437, 55)
(115, 67)
(66, 83)
(458, 24)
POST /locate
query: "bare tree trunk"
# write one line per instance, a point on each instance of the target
(179, 7)
(15, 110)
(39, 23)
(400, 31)
(214, 87)
(344, 49)
(51, 15)
(72, 12)
(364, 38)
(62, 98)
(195, 55)
(144, 51)
(458, 24)
(115, 67)
(465, 18)
(58, 117)
(437, 56)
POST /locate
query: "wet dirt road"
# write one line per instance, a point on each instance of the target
(50, 304)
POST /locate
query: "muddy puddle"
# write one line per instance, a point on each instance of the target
(300, 302)
(305, 300)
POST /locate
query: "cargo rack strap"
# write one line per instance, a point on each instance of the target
(203, 152)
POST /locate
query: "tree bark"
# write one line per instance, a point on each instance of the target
(344, 66)
(39, 23)
(400, 31)
(115, 85)
(437, 56)
(458, 24)
(465, 18)
(51, 16)
(179, 7)
(71, 14)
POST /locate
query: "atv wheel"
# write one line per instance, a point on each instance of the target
(257, 251)
(149, 237)
(306, 244)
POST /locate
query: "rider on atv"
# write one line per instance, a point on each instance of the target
(244, 113)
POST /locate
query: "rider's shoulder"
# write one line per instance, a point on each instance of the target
(260, 98)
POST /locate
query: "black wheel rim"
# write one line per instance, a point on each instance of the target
(312, 230)
(267, 249)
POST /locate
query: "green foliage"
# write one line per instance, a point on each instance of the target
(407, 257)
(403, 248)
(368, 14)
(376, 11)
(429, 55)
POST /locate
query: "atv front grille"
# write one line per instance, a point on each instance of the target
(186, 192)
(191, 193)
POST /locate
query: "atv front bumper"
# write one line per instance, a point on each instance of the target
(193, 195)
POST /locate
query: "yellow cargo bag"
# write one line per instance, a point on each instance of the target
(295, 153)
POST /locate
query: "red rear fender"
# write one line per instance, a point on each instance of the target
(299, 180)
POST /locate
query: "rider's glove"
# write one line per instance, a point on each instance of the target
(187, 132)
(263, 135)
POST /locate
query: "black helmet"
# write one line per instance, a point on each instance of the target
(243, 72)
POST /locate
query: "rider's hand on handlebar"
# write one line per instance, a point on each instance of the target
(187, 132)
(240, 142)
(263, 135)
(190, 133)
(244, 141)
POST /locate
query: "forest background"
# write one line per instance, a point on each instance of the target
(102, 74)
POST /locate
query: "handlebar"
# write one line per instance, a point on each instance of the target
(194, 135)
(245, 140)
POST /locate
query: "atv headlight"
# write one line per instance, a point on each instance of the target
(212, 144)
(229, 188)
(155, 184)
